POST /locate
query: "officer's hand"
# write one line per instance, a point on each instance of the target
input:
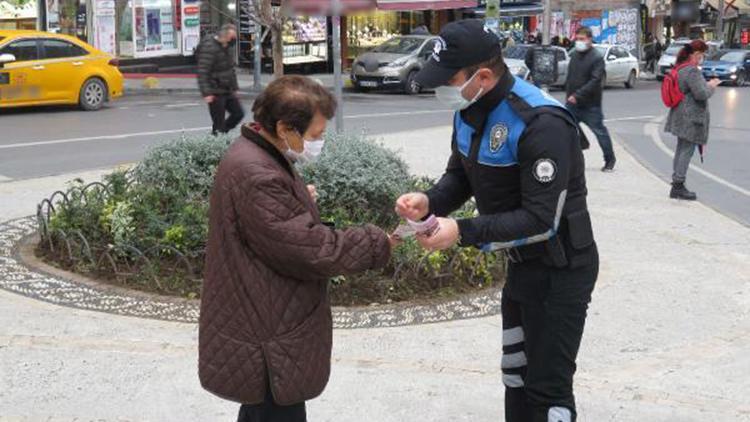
(445, 238)
(572, 100)
(413, 206)
(209, 99)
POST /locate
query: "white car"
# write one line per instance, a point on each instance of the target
(621, 67)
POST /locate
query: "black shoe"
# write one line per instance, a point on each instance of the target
(679, 191)
(609, 166)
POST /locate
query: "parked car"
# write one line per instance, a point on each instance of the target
(620, 65)
(669, 56)
(393, 64)
(731, 66)
(515, 60)
(40, 68)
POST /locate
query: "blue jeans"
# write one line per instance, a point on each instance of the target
(594, 119)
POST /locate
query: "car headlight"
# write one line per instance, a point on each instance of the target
(398, 62)
(733, 69)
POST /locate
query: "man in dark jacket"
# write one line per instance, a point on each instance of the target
(584, 91)
(218, 81)
(517, 152)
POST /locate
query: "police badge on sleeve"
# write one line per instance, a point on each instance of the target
(545, 170)
(498, 136)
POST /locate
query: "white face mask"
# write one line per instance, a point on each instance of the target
(453, 97)
(582, 46)
(310, 152)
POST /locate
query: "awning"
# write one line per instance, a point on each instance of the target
(323, 7)
(515, 10)
(405, 5)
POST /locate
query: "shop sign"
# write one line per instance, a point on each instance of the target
(192, 22)
(191, 10)
(745, 36)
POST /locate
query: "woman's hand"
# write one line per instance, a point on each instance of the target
(313, 193)
(413, 206)
(713, 83)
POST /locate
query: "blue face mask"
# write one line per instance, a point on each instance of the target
(453, 96)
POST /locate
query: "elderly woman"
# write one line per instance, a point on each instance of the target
(265, 325)
(690, 119)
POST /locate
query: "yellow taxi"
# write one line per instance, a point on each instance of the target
(40, 68)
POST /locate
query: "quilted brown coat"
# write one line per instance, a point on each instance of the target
(265, 310)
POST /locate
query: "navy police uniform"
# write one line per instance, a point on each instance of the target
(517, 152)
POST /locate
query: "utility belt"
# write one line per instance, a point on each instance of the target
(571, 247)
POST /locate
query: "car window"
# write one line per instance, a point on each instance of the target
(734, 56)
(428, 48)
(621, 53)
(602, 50)
(24, 50)
(399, 45)
(57, 49)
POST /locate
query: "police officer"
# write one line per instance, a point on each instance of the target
(517, 151)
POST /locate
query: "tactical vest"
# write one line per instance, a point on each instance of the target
(492, 166)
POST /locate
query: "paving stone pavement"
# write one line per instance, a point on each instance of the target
(666, 340)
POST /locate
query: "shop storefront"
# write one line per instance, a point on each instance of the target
(366, 31)
(18, 16)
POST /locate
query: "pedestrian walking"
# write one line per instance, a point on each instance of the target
(649, 50)
(689, 120)
(217, 79)
(517, 151)
(265, 330)
(584, 88)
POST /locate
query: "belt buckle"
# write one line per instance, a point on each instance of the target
(513, 255)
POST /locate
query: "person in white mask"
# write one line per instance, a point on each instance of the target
(265, 333)
(584, 88)
(518, 152)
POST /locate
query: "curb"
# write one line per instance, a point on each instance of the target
(70, 290)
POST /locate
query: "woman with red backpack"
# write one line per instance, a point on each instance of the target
(689, 117)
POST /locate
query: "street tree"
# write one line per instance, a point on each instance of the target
(272, 15)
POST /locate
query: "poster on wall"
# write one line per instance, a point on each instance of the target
(154, 28)
(105, 26)
(53, 16)
(191, 29)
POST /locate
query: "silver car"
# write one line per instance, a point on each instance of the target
(393, 64)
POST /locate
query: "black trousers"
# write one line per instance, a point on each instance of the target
(544, 311)
(219, 108)
(268, 411)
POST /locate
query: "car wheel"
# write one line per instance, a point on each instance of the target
(412, 87)
(93, 94)
(741, 79)
(630, 83)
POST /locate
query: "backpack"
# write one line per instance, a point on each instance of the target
(670, 88)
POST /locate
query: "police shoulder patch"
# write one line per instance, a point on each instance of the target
(545, 170)
(498, 136)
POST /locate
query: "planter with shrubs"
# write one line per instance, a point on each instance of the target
(146, 227)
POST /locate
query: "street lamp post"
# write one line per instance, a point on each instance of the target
(547, 23)
(720, 22)
(337, 79)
